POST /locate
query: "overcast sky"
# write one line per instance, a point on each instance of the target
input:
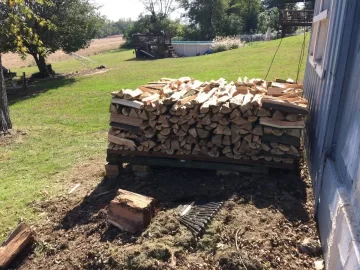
(122, 9)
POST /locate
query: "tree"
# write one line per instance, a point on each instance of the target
(160, 9)
(145, 24)
(206, 16)
(221, 17)
(76, 23)
(14, 32)
(280, 4)
(268, 18)
(110, 28)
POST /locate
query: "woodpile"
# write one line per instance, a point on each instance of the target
(251, 120)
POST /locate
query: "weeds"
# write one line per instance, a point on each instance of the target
(222, 44)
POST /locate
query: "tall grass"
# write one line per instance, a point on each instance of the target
(222, 44)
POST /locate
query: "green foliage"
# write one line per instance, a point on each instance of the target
(281, 4)
(15, 31)
(37, 30)
(149, 24)
(220, 17)
(76, 23)
(268, 18)
(110, 28)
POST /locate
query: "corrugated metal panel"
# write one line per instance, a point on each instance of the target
(319, 92)
(347, 137)
(333, 138)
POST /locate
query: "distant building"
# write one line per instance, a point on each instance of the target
(332, 85)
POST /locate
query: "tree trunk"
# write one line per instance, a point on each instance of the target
(5, 122)
(41, 64)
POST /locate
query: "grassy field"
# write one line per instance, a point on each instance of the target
(67, 123)
(13, 60)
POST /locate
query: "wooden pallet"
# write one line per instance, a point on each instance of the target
(194, 161)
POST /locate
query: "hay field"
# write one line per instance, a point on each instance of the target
(13, 60)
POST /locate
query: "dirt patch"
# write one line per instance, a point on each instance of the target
(88, 72)
(13, 136)
(261, 225)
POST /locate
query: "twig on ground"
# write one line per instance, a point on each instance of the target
(237, 248)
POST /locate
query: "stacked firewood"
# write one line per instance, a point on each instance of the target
(247, 119)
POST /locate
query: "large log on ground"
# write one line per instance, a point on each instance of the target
(17, 241)
(131, 212)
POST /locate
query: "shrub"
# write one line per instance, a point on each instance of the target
(222, 44)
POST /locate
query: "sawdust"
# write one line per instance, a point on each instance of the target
(272, 214)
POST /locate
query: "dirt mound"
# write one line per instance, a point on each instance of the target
(267, 216)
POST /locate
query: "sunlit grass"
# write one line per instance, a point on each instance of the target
(67, 123)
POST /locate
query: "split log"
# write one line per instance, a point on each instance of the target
(263, 112)
(256, 101)
(284, 106)
(19, 239)
(292, 117)
(294, 132)
(248, 138)
(266, 121)
(203, 133)
(235, 137)
(258, 130)
(239, 121)
(278, 116)
(130, 211)
(226, 141)
(225, 108)
(121, 141)
(133, 104)
(235, 113)
(252, 119)
(236, 101)
(284, 148)
(132, 94)
(293, 150)
(277, 132)
(265, 147)
(113, 108)
(247, 105)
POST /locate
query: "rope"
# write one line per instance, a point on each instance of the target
(302, 54)
(273, 59)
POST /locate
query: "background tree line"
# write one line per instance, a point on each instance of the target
(206, 19)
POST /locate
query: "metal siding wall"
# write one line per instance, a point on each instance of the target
(319, 92)
(347, 138)
(335, 119)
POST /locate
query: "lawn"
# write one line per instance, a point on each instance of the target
(68, 121)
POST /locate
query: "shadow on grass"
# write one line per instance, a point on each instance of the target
(140, 59)
(280, 190)
(38, 88)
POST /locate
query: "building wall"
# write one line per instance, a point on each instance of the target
(332, 137)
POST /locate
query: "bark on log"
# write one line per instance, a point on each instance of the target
(17, 241)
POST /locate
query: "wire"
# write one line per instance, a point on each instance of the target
(302, 54)
(273, 59)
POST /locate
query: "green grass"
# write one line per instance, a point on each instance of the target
(67, 123)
